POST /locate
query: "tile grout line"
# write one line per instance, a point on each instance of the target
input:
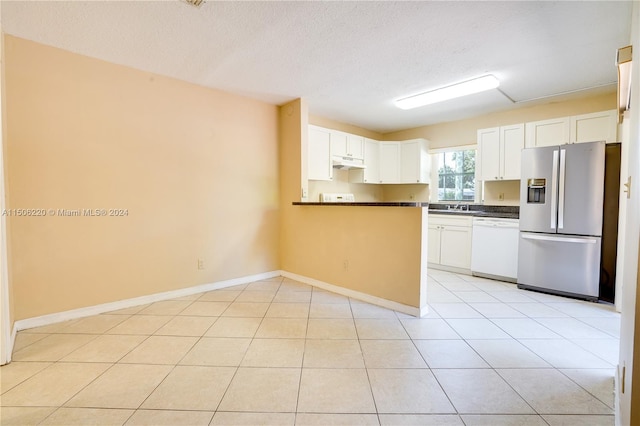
(173, 368)
(364, 362)
(304, 351)
(237, 368)
(552, 366)
(354, 322)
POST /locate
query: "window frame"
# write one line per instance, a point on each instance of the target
(435, 176)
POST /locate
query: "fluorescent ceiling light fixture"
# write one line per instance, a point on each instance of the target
(465, 88)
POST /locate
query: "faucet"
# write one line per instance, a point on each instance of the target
(458, 206)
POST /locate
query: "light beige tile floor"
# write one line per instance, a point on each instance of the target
(281, 352)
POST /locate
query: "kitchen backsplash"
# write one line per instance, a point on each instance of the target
(365, 192)
(408, 192)
(502, 193)
(362, 191)
(496, 193)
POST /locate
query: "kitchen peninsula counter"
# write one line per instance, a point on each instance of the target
(371, 251)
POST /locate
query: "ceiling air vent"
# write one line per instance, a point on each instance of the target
(196, 3)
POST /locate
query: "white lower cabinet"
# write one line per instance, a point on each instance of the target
(449, 243)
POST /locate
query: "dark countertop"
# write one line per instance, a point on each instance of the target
(478, 210)
(366, 204)
(500, 215)
(475, 210)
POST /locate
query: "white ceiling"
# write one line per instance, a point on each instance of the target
(350, 60)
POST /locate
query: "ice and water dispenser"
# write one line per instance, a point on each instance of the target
(535, 190)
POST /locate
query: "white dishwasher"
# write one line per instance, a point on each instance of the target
(494, 248)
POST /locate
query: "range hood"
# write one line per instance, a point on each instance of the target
(347, 163)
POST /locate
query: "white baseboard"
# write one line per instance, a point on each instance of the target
(453, 269)
(385, 303)
(136, 301)
(57, 317)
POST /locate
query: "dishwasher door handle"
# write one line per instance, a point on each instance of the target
(496, 224)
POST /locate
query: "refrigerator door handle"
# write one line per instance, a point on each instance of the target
(554, 189)
(559, 239)
(563, 163)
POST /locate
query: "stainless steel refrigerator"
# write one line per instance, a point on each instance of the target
(561, 212)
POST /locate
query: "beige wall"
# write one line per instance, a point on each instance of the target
(197, 170)
(292, 120)
(463, 132)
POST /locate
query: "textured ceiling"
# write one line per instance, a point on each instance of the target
(350, 60)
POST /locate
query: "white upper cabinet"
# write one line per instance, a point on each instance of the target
(371, 172)
(384, 162)
(319, 155)
(347, 145)
(355, 146)
(338, 143)
(489, 150)
(598, 126)
(415, 166)
(389, 162)
(405, 162)
(511, 144)
(548, 132)
(500, 152)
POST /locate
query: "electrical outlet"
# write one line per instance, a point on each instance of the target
(501, 196)
(412, 196)
(345, 265)
(200, 264)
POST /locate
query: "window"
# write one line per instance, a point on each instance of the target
(457, 175)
